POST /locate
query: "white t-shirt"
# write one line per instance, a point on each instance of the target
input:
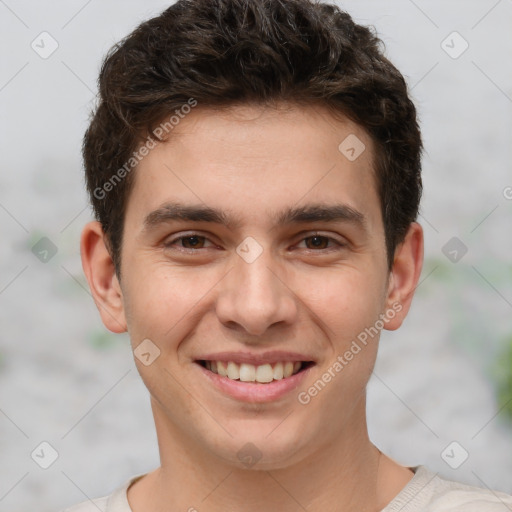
(425, 492)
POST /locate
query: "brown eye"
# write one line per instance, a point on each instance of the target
(192, 242)
(317, 242)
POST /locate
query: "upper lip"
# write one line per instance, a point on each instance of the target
(256, 359)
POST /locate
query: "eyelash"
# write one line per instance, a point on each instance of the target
(169, 244)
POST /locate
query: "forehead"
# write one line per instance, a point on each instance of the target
(252, 160)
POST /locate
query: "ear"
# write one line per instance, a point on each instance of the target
(100, 273)
(404, 276)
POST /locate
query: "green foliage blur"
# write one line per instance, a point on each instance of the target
(503, 379)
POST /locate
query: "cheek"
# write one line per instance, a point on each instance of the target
(346, 300)
(164, 303)
(350, 307)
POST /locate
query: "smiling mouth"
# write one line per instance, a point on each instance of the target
(261, 374)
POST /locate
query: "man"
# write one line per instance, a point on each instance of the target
(254, 166)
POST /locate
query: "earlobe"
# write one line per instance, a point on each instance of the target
(405, 275)
(100, 273)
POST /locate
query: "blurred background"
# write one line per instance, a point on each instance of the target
(441, 394)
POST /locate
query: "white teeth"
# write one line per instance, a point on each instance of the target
(222, 369)
(233, 371)
(247, 372)
(263, 373)
(288, 369)
(278, 371)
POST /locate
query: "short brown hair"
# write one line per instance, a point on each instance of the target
(225, 52)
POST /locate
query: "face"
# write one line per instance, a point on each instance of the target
(254, 246)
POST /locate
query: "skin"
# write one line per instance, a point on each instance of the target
(296, 296)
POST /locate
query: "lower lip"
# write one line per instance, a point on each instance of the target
(253, 391)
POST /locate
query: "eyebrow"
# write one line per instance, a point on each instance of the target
(171, 211)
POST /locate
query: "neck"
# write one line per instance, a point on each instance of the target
(348, 473)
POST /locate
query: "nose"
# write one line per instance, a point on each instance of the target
(255, 296)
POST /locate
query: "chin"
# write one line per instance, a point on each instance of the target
(259, 447)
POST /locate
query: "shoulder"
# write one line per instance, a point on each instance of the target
(115, 502)
(429, 492)
(454, 497)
